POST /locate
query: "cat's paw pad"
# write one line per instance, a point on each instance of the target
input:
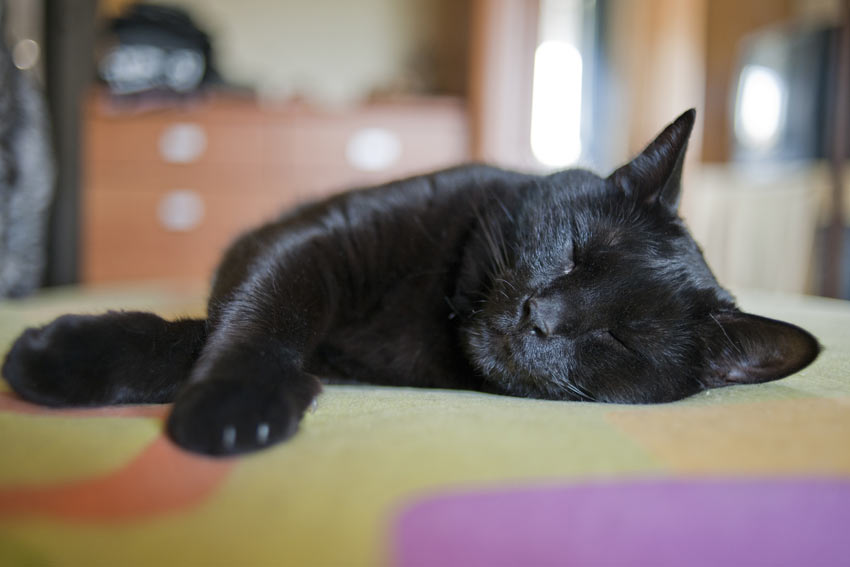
(45, 364)
(224, 417)
(261, 437)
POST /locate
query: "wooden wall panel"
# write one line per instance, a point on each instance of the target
(503, 39)
(728, 22)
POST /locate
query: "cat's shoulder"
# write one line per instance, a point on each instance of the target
(482, 173)
(476, 178)
(460, 186)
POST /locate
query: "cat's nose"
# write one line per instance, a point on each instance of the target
(542, 315)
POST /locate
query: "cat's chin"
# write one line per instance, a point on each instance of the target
(496, 355)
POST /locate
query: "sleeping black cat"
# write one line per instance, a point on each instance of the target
(565, 287)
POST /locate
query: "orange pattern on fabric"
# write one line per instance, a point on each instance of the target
(11, 403)
(160, 480)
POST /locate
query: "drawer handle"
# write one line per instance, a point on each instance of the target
(183, 142)
(181, 210)
(373, 149)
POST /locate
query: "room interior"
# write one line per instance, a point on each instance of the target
(461, 71)
(297, 100)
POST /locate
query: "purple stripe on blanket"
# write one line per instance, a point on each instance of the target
(657, 523)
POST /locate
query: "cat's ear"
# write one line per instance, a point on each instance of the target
(748, 349)
(655, 175)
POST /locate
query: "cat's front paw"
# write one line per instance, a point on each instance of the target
(114, 358)
(52, 365)
(226, 417)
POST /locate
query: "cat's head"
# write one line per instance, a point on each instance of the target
(597, 291)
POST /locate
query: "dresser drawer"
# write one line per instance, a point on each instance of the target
(166, 191)
(213, 178)
(384, 140)
(167, 233)
(179, 140)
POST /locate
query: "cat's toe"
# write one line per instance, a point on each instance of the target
(257, 438)
(231, 417)
(34, 371)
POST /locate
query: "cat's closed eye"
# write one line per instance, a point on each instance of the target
(612, 338)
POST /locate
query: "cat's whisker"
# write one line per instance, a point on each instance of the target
(506, 282)
(483, 225)
(503, 249)
(504, 208)
(725, 334)
(497, 248)
(577, 390)
(583, 392)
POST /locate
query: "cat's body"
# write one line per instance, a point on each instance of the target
(388, 259)
(568, 286)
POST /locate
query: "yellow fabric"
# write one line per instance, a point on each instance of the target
(330, 495)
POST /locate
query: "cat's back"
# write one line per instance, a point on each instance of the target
(430, 210)
(460, 186)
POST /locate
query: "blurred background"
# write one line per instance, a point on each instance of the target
(175, 125)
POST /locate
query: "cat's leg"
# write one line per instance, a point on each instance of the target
(248, 389)
(114, 358)
(246, 395)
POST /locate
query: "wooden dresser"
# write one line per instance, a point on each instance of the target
(166, 190)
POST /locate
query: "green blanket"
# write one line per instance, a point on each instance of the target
(104, 487)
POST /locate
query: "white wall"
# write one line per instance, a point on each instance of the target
(334, 51)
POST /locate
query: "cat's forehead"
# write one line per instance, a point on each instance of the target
(578, 218)
(574, 192)
(572, 179)
(577, 207)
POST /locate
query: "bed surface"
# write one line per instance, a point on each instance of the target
(742, 475)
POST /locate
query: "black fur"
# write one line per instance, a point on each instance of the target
(567, 287)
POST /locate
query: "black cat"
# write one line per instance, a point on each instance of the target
(567, 287)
